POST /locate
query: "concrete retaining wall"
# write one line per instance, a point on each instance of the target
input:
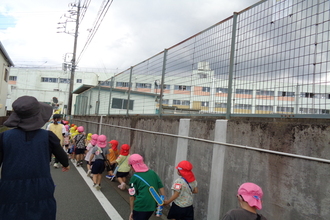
(293, 188)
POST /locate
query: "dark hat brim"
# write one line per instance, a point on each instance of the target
(30, 123)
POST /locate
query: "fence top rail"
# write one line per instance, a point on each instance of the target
(217, 143)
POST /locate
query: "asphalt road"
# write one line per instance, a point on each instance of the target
(78, 200)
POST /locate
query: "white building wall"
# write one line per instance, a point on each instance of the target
(29, 82)
(3, 84)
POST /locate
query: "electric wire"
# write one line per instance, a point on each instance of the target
(101, 14)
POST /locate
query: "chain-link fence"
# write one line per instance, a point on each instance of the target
(269, 60)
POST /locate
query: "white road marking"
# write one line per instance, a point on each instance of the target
(108, 208)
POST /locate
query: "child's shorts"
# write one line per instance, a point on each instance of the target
(177, 212)
(79, 151)
(98, 167)
(142, 215)
(122, 174)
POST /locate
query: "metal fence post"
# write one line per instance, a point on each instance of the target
(231, 65)
(98, 101)
(110, 96)
(129, 89)
(162, 84)
(89, 103)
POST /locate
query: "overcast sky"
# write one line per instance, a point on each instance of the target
(132, 30)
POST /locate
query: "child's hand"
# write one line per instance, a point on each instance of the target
(166, 202)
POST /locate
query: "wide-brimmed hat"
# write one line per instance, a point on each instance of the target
(124, 149)
(102, 141)
(28, 114)
(89, 136)
(114, 144)
(94, 139)
(80, 129)
(184, 168)
(136, 160)
(252, 194)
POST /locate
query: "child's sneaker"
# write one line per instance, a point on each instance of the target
(109, 177)
(122, 186)
(55, 165)
(89, 173)
(97, 187)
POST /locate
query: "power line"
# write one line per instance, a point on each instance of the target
(100, 16)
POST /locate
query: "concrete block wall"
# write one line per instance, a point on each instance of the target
(293, 188)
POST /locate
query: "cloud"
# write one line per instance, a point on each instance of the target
(131, 32)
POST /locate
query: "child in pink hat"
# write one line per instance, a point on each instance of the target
(141, 201)
(183, 189)
(99, 153)
(79, 142)
(249, 196)
(89, 148)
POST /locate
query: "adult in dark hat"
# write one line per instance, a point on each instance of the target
(26, 185)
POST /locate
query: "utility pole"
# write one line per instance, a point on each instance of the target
(74, 16)
(73, 61)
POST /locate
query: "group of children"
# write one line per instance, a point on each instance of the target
(101, 155)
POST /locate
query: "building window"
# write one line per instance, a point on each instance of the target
(122, 103)
(265, 92)
(122, 84)
(284, 109)
(310, 95)
(202, 75)
(143, 85)
(79, 80)
(105, 83)
(264, 108)
(12, 78)
(182, 88)
(180, 102)
(286, 94)
(164, 86)
(325, 111)
(205, 104)
(244, 91)
(176, 102)
(309, 111)
(220, 105)
(243, 106)
(221, 90)
(321, 96)
(63, 80)
(206, 89)
(47, 79)
(166, 101)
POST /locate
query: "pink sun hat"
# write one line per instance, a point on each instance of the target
(94, 139)
(102, 141)
(136, 160)
(252, 194)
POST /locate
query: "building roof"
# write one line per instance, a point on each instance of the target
(5, 54)
(84, 88)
